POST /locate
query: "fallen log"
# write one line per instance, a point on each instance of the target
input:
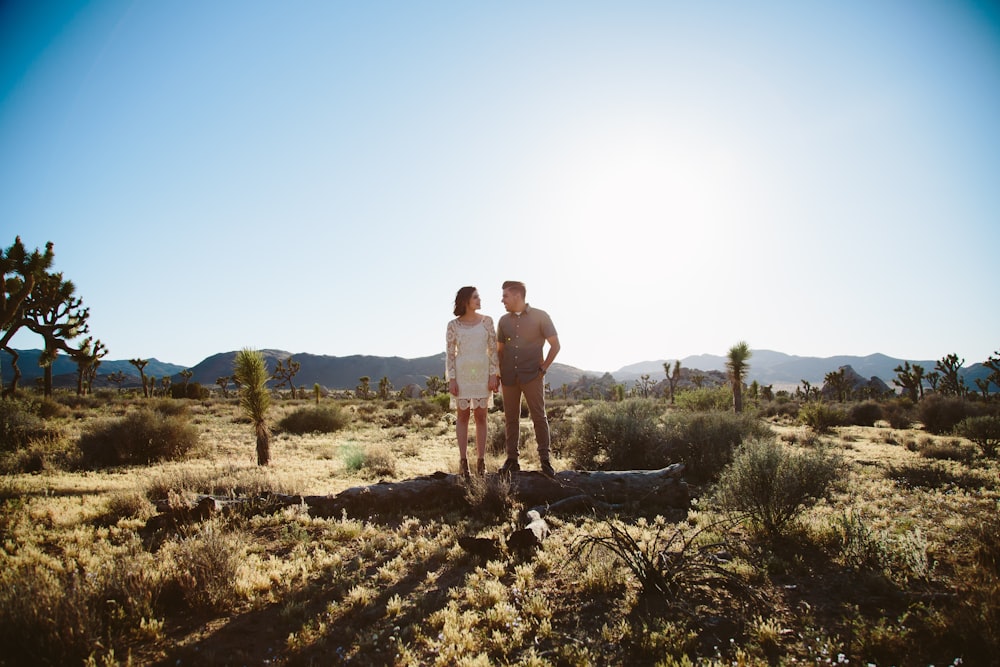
(569, 490)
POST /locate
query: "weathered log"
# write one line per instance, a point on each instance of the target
(569, 488)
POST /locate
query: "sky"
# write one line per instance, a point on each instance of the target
(668, 178)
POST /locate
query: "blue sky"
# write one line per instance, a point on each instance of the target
(668, 178)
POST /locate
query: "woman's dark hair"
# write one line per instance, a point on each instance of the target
(462, 300)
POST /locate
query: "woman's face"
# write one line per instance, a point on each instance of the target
(474, 303)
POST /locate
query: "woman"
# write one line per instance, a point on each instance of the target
(472, 372)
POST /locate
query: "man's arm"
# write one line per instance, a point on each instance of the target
(553, 342)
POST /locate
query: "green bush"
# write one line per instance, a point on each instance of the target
(140, 437)
(705, 399)
(940, 414)
(705, 441)
(619, 436)
(821, 417)
(984, 431)
(322, 419)
(864, 414)
(772, 485)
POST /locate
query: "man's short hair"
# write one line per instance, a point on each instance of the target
(516, 286)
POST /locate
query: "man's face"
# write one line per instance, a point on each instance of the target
(512, 301)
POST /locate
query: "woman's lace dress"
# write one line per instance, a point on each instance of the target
(471, 359)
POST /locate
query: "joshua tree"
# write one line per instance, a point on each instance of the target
(435, 385)
(384, 388)
(186, 375)
(951, 383)
(908, 380)
(255, 399)
(993, 363)
(88, 358)
(643, 385)
(284, 372)
(140, 364)
(117, 378)
(838, 383)
(673, 377)
(223, 383)
(364, 390)
(737, 366)
(317, 391)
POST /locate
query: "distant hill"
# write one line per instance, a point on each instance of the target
(770, 367)
(64, 370)
(766, 367)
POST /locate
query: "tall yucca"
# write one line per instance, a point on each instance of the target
(736, 364)
(251, 374)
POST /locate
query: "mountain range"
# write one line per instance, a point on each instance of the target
(767, 367)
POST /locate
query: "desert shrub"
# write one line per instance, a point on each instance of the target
(678, 568)
(20, 425)
(940, 414)
(426, 407)
(57, 614)
(780, 407)
(984, 431)
(900, 413)
(705, 441)
(619, 436)
(375, 460)
(772, 485)
(140, 437)
(705, 399)
(207, 563)
(491, 497)
(443, 401)
(75, 402)
(52, 409)
(315, 419)
(496, 434)
(191, 390)
(950, 450)
(821, 417)
(864, 414)
(170, 408)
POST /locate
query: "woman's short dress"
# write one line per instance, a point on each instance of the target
(471, 359)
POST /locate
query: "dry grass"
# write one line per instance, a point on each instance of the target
(899, 567)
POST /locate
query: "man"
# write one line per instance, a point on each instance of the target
(521, 336)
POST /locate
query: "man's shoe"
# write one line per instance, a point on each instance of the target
(547, 469)
(463, 468)
(481, 468)
(510, 466)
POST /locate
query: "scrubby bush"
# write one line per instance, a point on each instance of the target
(940, 414)
(313, 419)
(984, 431)
(52, 612)
(140, 437)
(821, 417)
(207, 565)
(705, 441)
(864, 414)
(619, 436)
(899, 413)
(20, 425)
(190, 390)
(781, 407)
(425, 407)
(772, 485)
